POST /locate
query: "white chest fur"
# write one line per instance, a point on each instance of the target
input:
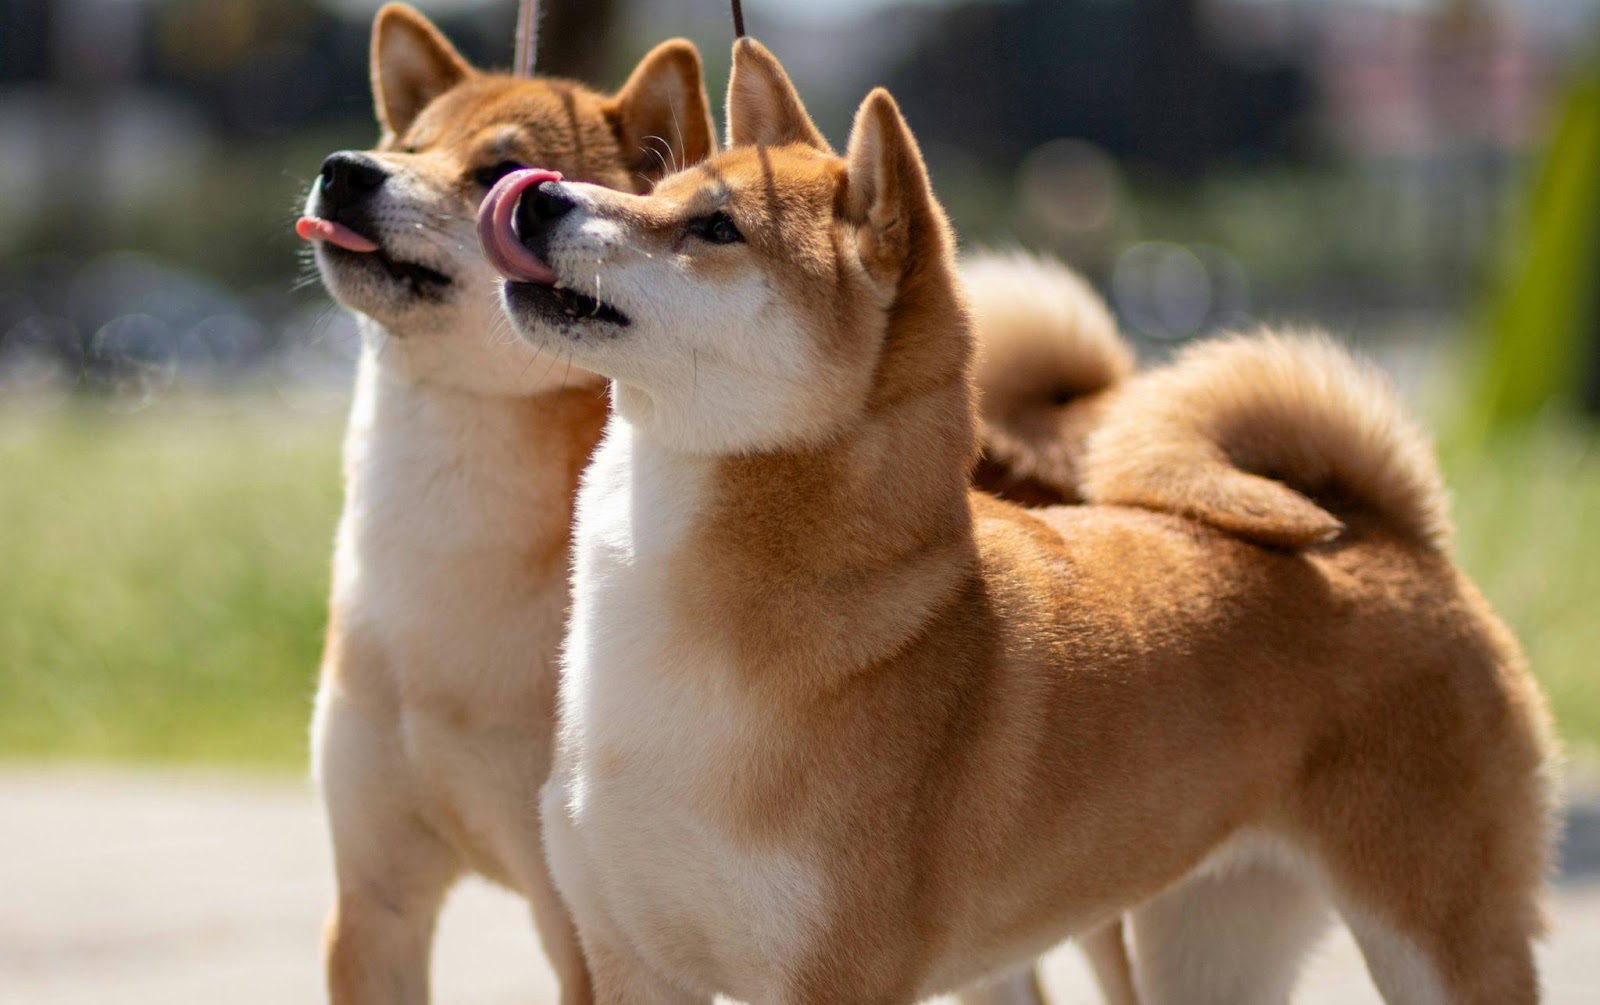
(448, 502)
(651, 724)
(451, 564)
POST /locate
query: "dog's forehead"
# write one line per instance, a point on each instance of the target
(493, 111)
(787, 176)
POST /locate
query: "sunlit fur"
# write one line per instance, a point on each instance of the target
(684, 348)
(1049, 362)
(1244, 432)
(434, 717)
(837, 730)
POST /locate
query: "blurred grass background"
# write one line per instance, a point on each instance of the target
(165, 580)
(166, 574)
(1422, 177)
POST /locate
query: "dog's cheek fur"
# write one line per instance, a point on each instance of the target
(755, 357)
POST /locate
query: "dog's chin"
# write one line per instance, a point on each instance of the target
(381, 284)
(536, 309)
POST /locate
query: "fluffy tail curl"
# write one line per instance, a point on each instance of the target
(1269, 436)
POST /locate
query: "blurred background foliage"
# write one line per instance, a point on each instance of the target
(1420, 176)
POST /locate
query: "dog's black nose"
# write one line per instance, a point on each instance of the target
(538, 208)
(349, 177)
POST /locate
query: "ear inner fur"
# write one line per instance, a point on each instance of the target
(888, 189)
(905, 243)
(662, 115)
(412, 63)
(763, 107)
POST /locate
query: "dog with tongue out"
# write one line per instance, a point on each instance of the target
(434, 715)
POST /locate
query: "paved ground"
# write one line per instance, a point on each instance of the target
(140, 889)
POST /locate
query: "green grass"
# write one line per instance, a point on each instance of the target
(1527, 508)
(163, 580)
(163, 575)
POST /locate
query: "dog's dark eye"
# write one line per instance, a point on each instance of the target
(718, 228)
(487, 176)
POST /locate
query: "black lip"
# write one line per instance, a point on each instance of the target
(563, 309)
(420, 279)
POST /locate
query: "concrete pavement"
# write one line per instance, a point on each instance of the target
(143, 888)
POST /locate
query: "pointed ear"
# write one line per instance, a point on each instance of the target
(763, 107)
(887, 188)
(662, 115)
(412, 63)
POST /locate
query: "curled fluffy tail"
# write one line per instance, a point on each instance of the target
(1269, 436)
(1048, 356)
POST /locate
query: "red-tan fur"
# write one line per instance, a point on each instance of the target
(897, 735)
(435, 713)
(1049, 362)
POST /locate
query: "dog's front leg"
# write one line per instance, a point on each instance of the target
(392, 872)
(376, 952)
(1107, 955)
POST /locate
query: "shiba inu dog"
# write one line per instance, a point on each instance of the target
(837, 729)
(434, 720)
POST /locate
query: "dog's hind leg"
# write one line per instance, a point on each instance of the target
(1450, 922)
(1107, 952)
(1483, 956)
(1430, 819)
(1235, 937)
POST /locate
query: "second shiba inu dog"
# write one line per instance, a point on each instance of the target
(435, 713)
(837, 730)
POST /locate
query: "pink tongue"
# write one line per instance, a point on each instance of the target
(501, 246)
(311, 228)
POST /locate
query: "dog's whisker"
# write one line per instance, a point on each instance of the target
(652, 150)
(555, 357)
(672, 106)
